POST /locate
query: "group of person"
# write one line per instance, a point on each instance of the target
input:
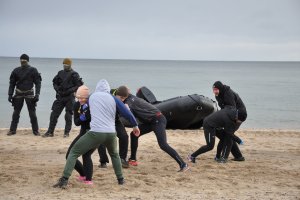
(22, 82)
(98, 115)
(223, 124)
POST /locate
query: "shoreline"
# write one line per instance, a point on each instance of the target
(239, 130)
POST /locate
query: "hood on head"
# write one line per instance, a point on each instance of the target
(219, 85)
(102, 86)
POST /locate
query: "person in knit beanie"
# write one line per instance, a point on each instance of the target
(24, 85)
(67, 64)
(65, 83)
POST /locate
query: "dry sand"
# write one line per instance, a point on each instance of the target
(30, 165)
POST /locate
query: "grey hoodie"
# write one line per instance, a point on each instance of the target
(103, 109)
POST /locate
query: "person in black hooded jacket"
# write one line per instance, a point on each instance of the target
(227, 97)
(225, 118)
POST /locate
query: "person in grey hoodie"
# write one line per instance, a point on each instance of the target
(103, 108)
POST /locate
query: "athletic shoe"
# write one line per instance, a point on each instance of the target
(239, 159)
(61, 183)
(88, 182)
(102, 165)
(216, 159)
(133, 162)
(184, 168)
(221, 160)
(10, 133)
(81, 178)
(191, 159)
(241, 142)
(125, 164)
(48, 134)
(121, 181)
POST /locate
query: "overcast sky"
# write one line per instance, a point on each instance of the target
(152, 29)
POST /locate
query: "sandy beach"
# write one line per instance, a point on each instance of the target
(30, 165)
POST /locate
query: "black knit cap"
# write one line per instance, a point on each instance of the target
(24, 57)
(219, 85)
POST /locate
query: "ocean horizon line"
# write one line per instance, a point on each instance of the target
(160, 60)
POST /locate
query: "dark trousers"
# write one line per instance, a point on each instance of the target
(18, 103)
(85, 169)
(158, 126)
(210, 136)
(102, 154)
(57, 107)
(123, 143)
(235, 150)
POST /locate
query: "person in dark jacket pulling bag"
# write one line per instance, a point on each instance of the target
(227, 97)
(65, 84)
(151, 120)
(225, 118)
(22, 80)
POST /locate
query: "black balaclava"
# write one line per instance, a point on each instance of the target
(24, 58)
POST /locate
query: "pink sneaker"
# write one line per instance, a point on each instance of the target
(133, 162)
(88, 182)
(81, 178)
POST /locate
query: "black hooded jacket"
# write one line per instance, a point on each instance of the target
(224, 118)
(141, 109)
(227, 97)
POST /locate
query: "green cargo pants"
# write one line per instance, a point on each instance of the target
(92, 140)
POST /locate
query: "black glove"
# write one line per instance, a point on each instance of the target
(10, 98)
(36, 98)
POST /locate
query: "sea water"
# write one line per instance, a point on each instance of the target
(270, 90)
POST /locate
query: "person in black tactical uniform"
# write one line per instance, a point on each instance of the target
(151, 120)
(227, 97)
(23, 78)
(65, 83)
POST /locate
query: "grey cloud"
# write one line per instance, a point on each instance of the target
(152, 29)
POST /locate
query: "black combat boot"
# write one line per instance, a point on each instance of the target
(36, 133)
(48, 134)
(10, 133)
(61, 183)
